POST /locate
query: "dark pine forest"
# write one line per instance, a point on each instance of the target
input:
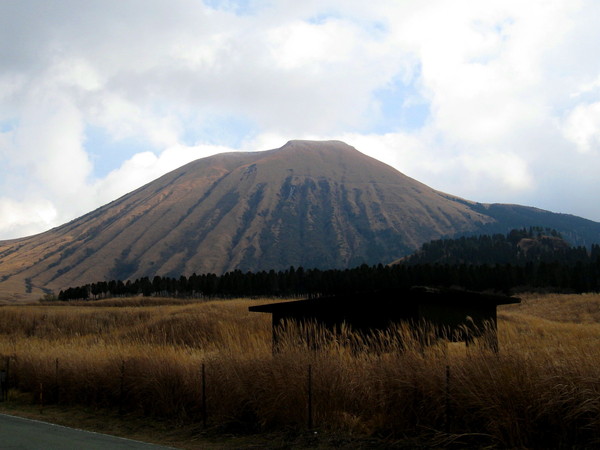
(533, 259)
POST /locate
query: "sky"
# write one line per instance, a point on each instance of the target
(492, 101)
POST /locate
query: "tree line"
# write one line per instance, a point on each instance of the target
(523, 259)
(519, 246)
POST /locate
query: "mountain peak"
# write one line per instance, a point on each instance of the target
(317, 146)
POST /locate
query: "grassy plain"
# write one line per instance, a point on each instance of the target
(140, 360)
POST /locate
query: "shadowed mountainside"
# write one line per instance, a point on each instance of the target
(310, 204)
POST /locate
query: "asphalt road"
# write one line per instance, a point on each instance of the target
(17, 433)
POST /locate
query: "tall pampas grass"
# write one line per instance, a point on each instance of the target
(542, 389)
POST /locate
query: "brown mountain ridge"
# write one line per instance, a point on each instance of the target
(308, 203)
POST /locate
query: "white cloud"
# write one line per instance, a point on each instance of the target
(480, 64)
(582, 127)
(313, 46)
(511, 89)
(504, 169)
(48, 144)
(24, 218)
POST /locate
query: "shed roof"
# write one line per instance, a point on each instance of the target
(387, 300)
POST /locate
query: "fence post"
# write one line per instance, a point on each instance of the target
(203, 399)
(447, 404)
(122, 390)
(57, 383)
(41, 398)
(3, 386)
(7, 376)
(309, 405)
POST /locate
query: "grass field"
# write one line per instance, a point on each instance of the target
(142, 359)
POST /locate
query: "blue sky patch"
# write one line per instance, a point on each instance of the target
(323, 17)
(108, 153)
(401, 108)
(239, 7)
(8, 125)
(229, 131)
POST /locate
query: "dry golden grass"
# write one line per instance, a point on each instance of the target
(541, 390)
(574, 308)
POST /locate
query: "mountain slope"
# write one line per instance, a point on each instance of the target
(310, 204)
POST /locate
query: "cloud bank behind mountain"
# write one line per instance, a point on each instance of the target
(496, 101)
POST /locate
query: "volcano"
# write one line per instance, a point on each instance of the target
(314, 204)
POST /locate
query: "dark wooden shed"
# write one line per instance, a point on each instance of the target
(453, 314)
